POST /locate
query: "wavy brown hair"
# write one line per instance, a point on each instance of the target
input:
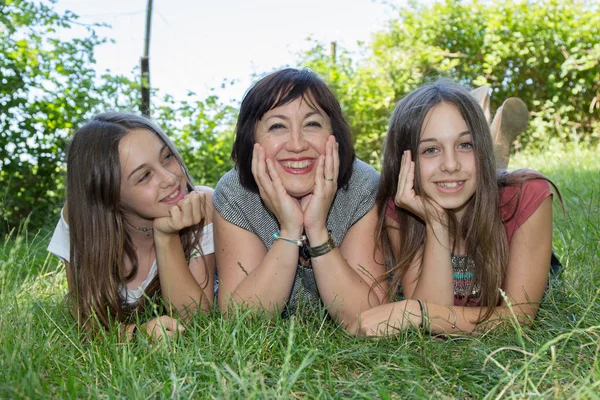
(99, 242)
(481, 227)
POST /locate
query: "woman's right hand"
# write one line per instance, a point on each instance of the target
(163, 326)
(286, 209)
(407, 198)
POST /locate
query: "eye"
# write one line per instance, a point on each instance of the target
(275, 127)
(430, 151)
(466, 146)
(144, 177)
(168, 157)
(314, 124)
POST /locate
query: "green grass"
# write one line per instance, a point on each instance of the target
(42, 355)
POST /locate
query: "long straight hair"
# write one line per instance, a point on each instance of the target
(99, 242)
(481, 227)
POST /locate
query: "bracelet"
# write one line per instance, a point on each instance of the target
(322, 249)
(454, 313)
(422, 324)
(297, 242)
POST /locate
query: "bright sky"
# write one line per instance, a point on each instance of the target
(197, 45)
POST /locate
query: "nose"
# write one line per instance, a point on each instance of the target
(167, 177)
(296, 142)
(450, 162)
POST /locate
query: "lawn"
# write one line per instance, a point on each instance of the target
(42, 354)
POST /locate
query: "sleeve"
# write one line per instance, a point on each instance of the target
(207, 244)
(518, 203)
(390, 210)
(366, 185)
(225, 201)
(60, 242)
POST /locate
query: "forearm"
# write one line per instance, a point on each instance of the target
(268, 286)
(178, 286)
(447, 320)
(435, 282)
(343, 291)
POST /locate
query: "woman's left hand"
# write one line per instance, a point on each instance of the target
(316, 205)
(187, 212)
(387, 319)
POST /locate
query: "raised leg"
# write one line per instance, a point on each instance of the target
(508, 123)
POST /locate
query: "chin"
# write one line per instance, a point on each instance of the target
(299, 192)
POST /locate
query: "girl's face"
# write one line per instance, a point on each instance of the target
(152, 180)
(294, 136)
(446, 158)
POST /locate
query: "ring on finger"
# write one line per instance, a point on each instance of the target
(328, 179)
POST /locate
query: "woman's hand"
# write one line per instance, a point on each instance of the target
(388, 319)
(316, 205)
(407, 198)
(187, 212)
(285, 208)
(163, 326)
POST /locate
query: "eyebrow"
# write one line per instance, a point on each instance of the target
(308, 114)
(144, 165)
(435, 140)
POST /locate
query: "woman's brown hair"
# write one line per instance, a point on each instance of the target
(99, 242)
(481, 227)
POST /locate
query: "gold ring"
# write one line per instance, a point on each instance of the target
(328, 179)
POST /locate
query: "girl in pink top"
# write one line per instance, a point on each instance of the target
(464, 241)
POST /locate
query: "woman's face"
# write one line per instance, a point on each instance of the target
(446, 158)
(294, 136)
(152, 180)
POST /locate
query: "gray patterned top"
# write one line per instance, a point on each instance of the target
(246, 209)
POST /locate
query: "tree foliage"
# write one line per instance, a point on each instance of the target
(545, 52)
(48, 87)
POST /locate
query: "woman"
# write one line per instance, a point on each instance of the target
(458, 231)
(135, 227)
(295, 218)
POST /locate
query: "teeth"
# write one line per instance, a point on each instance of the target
(173, 195)
(296, 164)
(449, 184)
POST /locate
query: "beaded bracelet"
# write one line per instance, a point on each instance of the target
(297, 242)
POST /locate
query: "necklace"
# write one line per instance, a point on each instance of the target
(463, 272)
(146, 231)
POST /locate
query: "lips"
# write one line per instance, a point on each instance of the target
(174, 197)
(450, 186)
(297, 165)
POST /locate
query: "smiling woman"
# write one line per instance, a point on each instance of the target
(295, 218)
(135, 227)
(456, 230)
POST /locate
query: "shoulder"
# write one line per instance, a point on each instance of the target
(522, 188)
(363, 173)
(521, 196)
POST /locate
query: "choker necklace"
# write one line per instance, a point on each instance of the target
(146, 231)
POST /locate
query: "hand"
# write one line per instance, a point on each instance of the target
(187, 212)
(285, 208)
(162, 327)
(316, 205)
(407, 198)
(387, 319)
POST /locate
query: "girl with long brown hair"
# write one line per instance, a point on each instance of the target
(469, 245)
(135, 228)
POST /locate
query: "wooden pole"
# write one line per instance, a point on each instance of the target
(145, 64)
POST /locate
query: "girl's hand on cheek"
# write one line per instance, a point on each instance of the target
(187, 212)
(316, 205)
(406, 196)
(285, 208)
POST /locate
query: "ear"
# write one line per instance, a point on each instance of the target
(482, 95)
